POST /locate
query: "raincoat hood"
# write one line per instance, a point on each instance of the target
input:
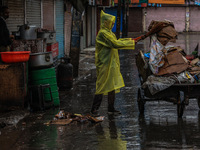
(107, 20)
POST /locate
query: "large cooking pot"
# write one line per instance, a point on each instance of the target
(41, 60)
(28, 32)
(48, 35)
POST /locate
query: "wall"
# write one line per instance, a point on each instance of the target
(68, 25)
(48, 14)
(84, 31)
(194, 19)
(174, 14)
(98, 18)
(89, 26)
(94, 24)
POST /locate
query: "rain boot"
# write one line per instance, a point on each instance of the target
(111, 102)
(96, 104)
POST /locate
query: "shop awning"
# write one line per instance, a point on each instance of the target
(138, 3)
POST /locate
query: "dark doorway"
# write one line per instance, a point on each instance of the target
(135, 20)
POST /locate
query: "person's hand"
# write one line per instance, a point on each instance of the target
(136, 40)
(142, 37)
(12, 37)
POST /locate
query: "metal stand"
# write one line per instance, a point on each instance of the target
(41, 104)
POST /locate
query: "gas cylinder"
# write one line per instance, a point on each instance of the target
(65, 74)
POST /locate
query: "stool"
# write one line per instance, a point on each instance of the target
(40, 91)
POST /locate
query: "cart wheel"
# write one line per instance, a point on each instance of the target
(140, 101)
(180, 109)
(198, 101)
(180, 104)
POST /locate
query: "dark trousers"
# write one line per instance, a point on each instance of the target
(98, 99)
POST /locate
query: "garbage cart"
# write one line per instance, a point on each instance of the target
(178, 93)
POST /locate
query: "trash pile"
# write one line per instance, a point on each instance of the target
(167, 65)
(65, 118)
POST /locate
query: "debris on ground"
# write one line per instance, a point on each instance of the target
(12, 117)
(65, 118)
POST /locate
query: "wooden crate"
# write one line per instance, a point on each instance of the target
(13, 85)
(143, 66)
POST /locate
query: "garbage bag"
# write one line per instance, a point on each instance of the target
(157, 84)
(156, 54)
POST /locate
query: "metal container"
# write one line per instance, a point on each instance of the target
(35, 46)
(48, 35)
(16, 35)
(65, 74)
(28, 32)
(46, 76)
(41, 60)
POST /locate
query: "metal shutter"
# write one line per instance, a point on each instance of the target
(33, 12)
(16, 8)
(68, 26)
(60, 26)
(174, 14)
(135, 20)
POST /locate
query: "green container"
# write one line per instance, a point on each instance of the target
(50, 81)
(46, 76)
(54, 88)
(43, 74)
(56, 101)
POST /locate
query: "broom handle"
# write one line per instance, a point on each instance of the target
(155, 29)
(142, 37)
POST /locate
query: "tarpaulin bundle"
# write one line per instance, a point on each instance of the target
(163, 28)
(167, 33)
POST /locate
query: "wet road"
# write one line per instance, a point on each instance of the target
(158, 129)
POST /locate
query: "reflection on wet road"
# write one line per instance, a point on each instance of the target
(158, 129)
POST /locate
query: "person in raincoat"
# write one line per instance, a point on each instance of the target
(109, 78)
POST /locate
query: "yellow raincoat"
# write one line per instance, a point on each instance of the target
(107, 61)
